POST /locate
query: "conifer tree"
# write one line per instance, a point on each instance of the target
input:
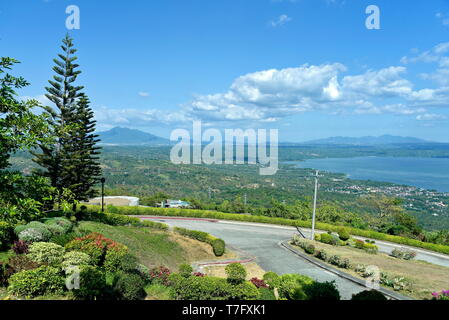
(71, 162)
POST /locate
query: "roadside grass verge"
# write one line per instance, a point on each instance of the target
(153, 247)
(425, 277)
(279, 221)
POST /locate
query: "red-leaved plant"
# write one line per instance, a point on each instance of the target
(259, 283)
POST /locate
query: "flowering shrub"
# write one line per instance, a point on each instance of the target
(46, 252)
(160, 275)
(259, 283)
(95, 245)
(20, 247)
(443, 295)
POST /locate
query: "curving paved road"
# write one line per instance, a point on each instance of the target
(262, 242)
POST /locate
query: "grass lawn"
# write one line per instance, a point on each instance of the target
(154, 247)
(425, 277)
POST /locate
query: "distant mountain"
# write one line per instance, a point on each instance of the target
(369, 140)
(126, 136)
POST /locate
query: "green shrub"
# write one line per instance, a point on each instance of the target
(266, 294)
(321, 254)
(56, 230)
(322, 291)
(309, 248)
(114, 259)
(235, 273)
(75, 258)
(63, 223)
(370, 248)
(46, 252)
(403, 254)
(335, 260)
(41, 281)
(92, 283)
(370, 295)
(343, 234)
(6, 234)
(328, 239)
(291, 286)
(185, 270)
(210, 288)
(272, 279)
(130, 287)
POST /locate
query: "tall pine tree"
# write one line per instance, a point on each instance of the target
(71, 162)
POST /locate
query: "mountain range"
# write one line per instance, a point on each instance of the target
(126, 136)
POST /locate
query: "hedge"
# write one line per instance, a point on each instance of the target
(120, 220)
(218, 245)
(208, 214)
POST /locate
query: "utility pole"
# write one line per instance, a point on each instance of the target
(314, 206)
(210, 194)
(245, 200)
(102, 180)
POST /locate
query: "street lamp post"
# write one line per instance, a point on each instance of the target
(314, 206)
(102, 180)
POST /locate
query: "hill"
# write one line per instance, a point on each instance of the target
(126, 136)
(368, 140)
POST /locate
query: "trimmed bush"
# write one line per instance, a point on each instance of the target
(46, 252)
(160, 275)
(328, 239)
(41, 281)
(60, 222)
(185, 270)
(280, 221)
(321, 254)
(235, 273)
(322, 291)
(369, 295)
(130, 287)
(21, 263)
(309, 248)
(403, 254)
(210, 288)
(291, 286)
(370, 248)
(75, 258)
(92, 283)
(272, 279)
(218, 245)
(32, 235)
(343, 234)
(114, 259)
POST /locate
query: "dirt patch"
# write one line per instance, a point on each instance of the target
(252, 268)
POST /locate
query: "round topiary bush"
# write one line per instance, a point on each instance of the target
(75, 258)
(369, 295)
(272, 279)
(92, 283)
(343, 234)
(236, 273)
(130, 286)
(185, 270)
(46, 252)
(31, 235)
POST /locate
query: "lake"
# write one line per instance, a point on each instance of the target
(427, 173)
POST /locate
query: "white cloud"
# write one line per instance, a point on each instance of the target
(430, 117)
(281, 20)
(144, 94)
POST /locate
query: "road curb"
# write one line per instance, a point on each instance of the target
(386, 292)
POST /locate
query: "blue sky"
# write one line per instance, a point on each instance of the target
(309, 68)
